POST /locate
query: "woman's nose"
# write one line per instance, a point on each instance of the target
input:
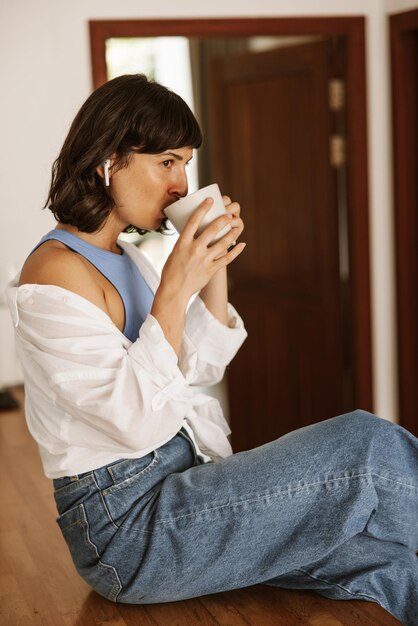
(180, 186)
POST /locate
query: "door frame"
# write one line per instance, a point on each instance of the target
(353, 30)
(404, 66)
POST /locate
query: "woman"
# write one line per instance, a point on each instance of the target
(152, 503)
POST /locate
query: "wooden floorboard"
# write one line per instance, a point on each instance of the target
(39, 585)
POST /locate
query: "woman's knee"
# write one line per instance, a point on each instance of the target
(365, 424)
(360, 417)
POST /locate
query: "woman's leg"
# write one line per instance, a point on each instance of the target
(284, 506)
(363, 568)
(259, 515)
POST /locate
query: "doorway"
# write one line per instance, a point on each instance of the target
(347, 327)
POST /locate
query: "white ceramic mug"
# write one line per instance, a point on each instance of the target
(179, 212)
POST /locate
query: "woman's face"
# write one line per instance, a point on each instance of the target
(148, 184)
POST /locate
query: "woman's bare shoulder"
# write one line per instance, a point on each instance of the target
(54, 264)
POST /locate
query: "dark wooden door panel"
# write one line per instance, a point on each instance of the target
(264, 174)
(404, 49)
(283, 377)
(273, 124)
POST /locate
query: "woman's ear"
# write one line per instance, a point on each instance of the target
(106, 167)
(103, 171)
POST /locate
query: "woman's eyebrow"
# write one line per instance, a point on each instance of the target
(176, 156)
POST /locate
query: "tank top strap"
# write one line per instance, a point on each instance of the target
(120, 270)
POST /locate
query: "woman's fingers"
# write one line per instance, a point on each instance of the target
(202, 244)
(194, 220)
(232, 207)
(227, 258)
(193, 261)
(210, 232)
(221, 247)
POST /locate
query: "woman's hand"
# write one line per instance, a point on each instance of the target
(234, 209)
(192, 265)
(215, 293)
(194, 260)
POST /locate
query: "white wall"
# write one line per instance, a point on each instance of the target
(45, 69)
(399, 6)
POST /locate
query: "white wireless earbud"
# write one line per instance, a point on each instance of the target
(106, 166)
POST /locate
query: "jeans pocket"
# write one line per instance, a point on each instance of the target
(127, 472)
(103, 578)
(135, 486)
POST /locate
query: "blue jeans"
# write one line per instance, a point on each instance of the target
(331, 507)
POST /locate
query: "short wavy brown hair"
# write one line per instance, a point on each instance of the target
(127, 114)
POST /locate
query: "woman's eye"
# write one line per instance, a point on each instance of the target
(167, 163)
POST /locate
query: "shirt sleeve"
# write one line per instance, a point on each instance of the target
(208, 345)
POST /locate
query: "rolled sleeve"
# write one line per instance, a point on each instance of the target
(216, 343)
(154, 353)
(157, 357)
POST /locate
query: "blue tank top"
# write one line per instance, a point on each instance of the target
(120, 270)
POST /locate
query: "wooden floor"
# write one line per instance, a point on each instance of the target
(38, 583)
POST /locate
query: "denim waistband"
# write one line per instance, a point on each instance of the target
(66, 480)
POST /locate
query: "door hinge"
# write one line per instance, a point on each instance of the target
(337, 151)
(336, 93)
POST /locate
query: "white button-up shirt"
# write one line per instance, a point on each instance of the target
(93, 396)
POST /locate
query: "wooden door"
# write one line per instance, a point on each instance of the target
(272, 127)
(404, 52)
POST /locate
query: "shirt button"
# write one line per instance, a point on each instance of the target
(31, 301)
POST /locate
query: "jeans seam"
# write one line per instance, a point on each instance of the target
(104, 503)
(354, 595)
(276, 494)
(260, 498)
(396, 482)
(283, 492)
(116, 587)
